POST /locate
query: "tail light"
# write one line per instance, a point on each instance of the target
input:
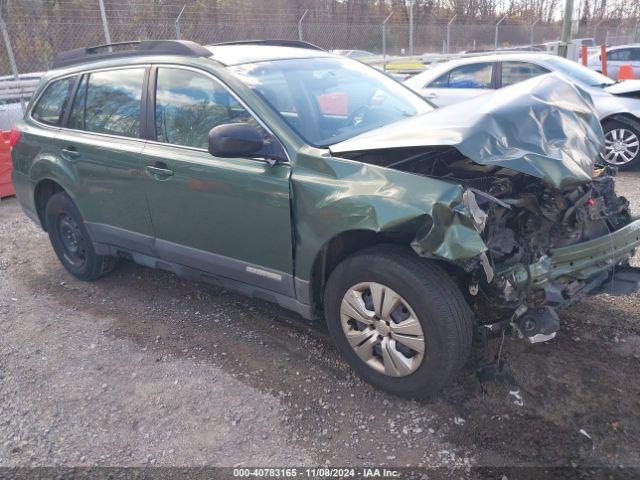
(14, 136)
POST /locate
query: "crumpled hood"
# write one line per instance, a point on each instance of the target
(628, 86)
(545, 127)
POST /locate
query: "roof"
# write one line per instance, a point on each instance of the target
(236, 54)
(629, 45)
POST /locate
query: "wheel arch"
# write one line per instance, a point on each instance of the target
(43, 191)
(340, 247)
(625, 117)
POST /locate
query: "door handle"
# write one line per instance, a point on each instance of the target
(70, 154)
(159, 171)
(430, 95)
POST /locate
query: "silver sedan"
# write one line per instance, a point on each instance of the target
(617, 104)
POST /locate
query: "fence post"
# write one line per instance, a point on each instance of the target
(495, 43)
(531, 36)
(300, 24)
(617, 34)
(105, 25)
(449, 32)
(595, 31)
(635, 31)
(411, 3)
(178, 22)
(12, 59)
(384, 41)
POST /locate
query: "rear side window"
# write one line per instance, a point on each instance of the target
(515, 72)
(109, 102)
(50, 106)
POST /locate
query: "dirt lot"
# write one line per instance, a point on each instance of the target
(142, 368)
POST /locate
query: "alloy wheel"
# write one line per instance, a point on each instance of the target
(622, 146)
(382, 329)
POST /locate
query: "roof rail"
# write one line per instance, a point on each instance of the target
(114, 50)
(274, 43)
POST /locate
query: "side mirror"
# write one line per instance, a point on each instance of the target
(235, 140)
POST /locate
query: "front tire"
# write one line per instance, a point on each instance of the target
(71, 241)
(622, 142)
(399, 320)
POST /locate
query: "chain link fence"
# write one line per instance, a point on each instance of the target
(36, 41)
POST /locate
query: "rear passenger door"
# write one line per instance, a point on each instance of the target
(461, 83)
(227, 216)
(102, 145)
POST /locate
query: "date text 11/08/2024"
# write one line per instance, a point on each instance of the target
(325, 472)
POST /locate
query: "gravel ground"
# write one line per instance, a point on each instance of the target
(143, 368)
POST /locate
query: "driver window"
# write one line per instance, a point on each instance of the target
(621, 55)
(189, 104)
(477, 75)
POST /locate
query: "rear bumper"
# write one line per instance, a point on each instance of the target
(24, 188)
(582, 262)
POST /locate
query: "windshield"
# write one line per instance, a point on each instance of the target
(328, 100)
(579, 73)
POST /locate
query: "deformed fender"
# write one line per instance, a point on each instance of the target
(333, 195)
(453, 235)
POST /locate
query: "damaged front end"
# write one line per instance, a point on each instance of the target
(538, 226)
(549, 248)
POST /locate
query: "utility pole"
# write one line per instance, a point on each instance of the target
(567, 19)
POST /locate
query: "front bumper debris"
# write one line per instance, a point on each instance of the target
(583, 261)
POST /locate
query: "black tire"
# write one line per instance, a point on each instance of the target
(628, 125)
(444, 315)
(71, 241)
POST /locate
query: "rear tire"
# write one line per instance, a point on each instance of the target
(71, 241)
(426, 293)
(625, 137)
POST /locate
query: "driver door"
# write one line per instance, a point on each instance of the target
(226, 216)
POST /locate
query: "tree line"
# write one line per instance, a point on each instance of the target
(342, 11)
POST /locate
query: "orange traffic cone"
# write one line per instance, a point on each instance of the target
(625, 72)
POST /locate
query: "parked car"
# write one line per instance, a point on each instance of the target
(12, 94)
(358, 54)
(407, 229)
(617, 104)
(617, 56)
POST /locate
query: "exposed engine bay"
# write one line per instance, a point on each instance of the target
(523, 222)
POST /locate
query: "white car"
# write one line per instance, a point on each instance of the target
(616, 56)
(12, 94)
(617, 104)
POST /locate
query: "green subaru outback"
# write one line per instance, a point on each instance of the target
(286, 173)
